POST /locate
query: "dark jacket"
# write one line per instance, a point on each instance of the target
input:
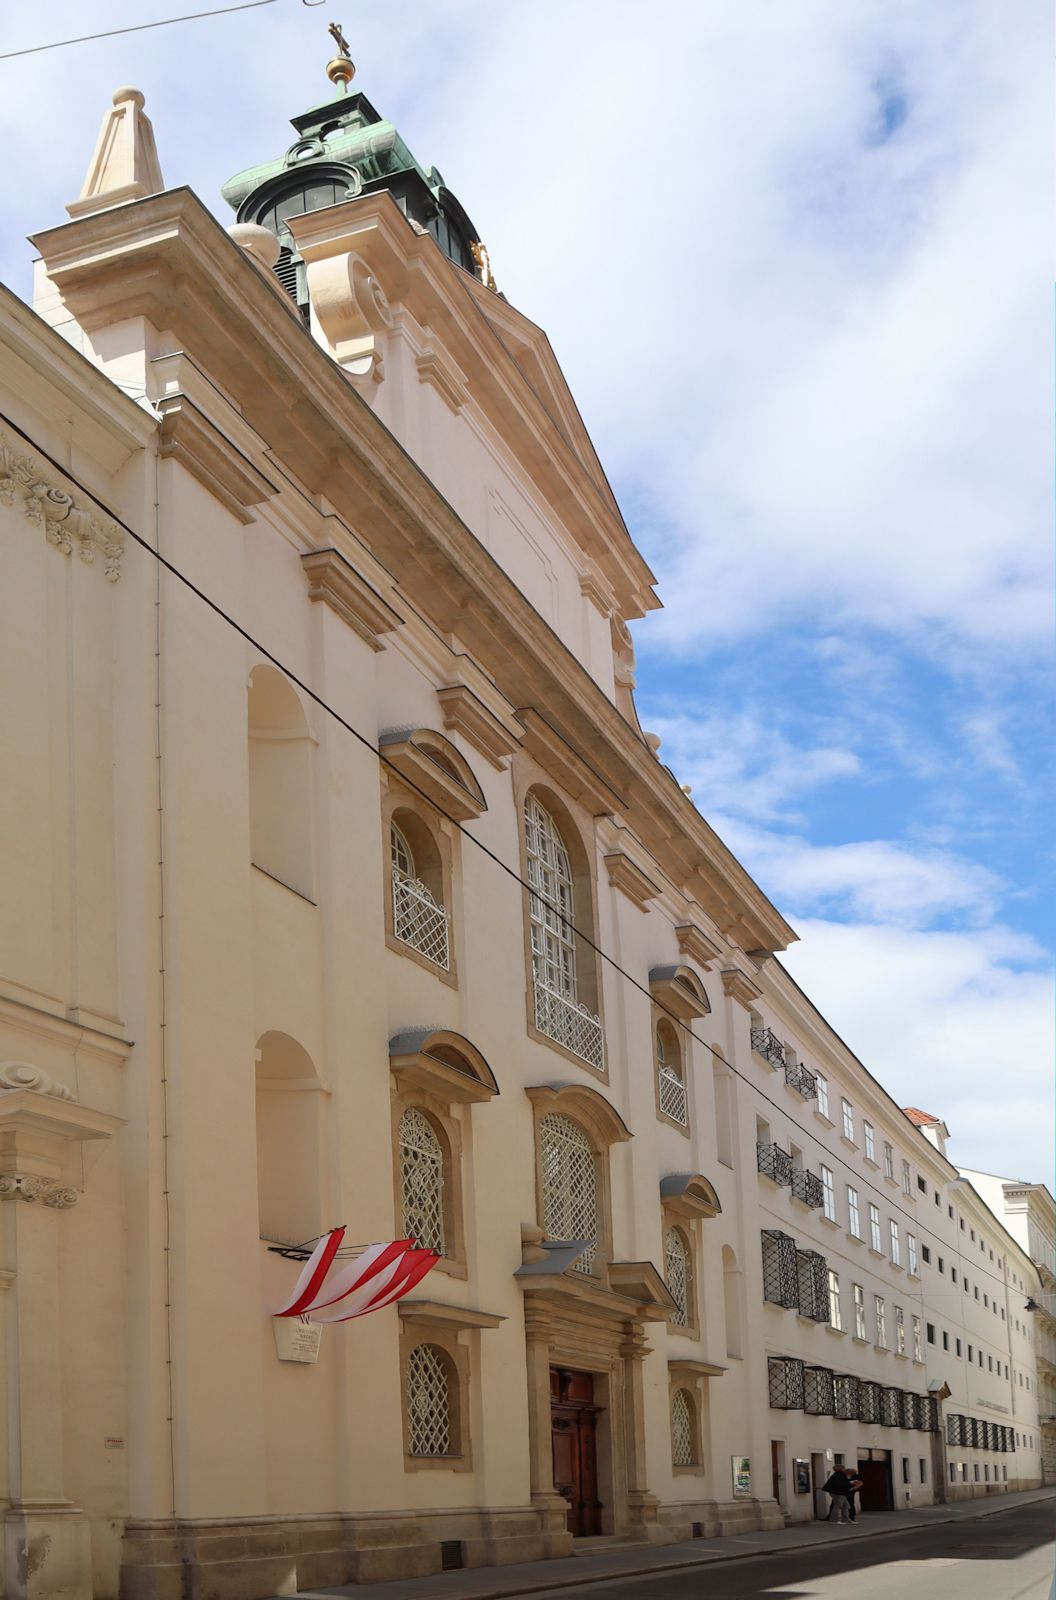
(838, 1483)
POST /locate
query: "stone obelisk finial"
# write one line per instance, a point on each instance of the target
(125, 164)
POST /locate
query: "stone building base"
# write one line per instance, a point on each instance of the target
(716, 1519)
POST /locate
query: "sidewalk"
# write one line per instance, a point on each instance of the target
(535, 1577)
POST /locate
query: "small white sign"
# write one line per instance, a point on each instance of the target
(113, 1441)
(296, 1338)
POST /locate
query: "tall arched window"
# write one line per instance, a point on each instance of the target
(683, 1429)
(422, 1181)
(678, 1274)
(671, 1087)
(418, 915)
(430, 1384)
(552, 912)
(569, 1184)
(280, 798)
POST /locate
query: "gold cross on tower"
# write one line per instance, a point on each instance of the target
(340, 70)
(339, 38)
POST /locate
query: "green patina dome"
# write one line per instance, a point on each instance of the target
(344, 149)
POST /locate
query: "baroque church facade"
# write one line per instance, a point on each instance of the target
(343, 886)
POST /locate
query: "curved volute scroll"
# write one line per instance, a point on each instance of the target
(689, 1194)
(24, 1075)
(442, 1063)
(352, 311)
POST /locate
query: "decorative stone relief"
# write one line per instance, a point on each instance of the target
(49, 1192)
(67, 525)
(352, 311)
(23, 1075)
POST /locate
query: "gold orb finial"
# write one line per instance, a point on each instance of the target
(342, 68)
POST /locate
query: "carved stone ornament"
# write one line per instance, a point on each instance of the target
(67, 524)
(48, 1191)
(23, 1075)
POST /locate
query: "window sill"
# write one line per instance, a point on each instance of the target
(823, 1116)
(830, 1222)
(448, 975)
(879, 1254)
(855, 1238)
(850, 1143)
(896, 1266)
(869, 1162)
(841, 1332)
(892, 1181)
(661, 1116)
(859, 1340)
(881, 1349)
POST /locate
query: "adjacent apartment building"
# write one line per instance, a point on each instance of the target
(342, 885)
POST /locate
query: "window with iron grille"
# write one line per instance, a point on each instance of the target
(847, 1398)
(909, 1409)
(570, 1184)
(890, 1407)
(813, 1274)
(422, 1181)
(429, 1400)
(683, 1443)
(418, 918)
(551, 911)
(819, 1391)
(806, 1186)
(678, 1275)
(929, 1414)
(773, 1162)
(674, 1102)
(955, 1430)
(780, 1269)
(765, 1043)
(868, 1402)
(973, 1432)
(786, 1383)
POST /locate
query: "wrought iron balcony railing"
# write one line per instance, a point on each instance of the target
(570, 1024)
(807, 1186)
(419, 920)
(765, 1043)
(798, 1077)
(774, 1163)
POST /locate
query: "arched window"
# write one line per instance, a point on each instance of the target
(552, 913)
(569, 1184)
(419, 918)
(431, 1383)
(678, 1274)
(280, 797)
(671, 1088)
(683, 1429)
(422, 1181)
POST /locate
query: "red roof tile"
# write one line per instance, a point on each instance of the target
(921, 1119)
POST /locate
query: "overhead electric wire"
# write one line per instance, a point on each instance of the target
(510, 872)
(138, 27)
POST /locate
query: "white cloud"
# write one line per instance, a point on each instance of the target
(959, 1024)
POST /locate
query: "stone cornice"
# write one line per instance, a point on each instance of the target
(697, 946)
(466, 714)
(575, 775)
(336, 582)
(199, 428)
(38, 1023)
(167, 259)
(438, 1312)
(627, 876)
(739, 986)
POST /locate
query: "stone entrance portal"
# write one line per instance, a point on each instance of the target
(573, 1423)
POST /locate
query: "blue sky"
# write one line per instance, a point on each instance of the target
(793, 256)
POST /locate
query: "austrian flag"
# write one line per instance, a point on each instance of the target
(381, 1274)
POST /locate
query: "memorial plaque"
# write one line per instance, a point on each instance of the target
(296, 1338)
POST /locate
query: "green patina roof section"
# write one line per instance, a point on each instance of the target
(362, 140)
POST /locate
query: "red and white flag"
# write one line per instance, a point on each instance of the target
(381, 1274)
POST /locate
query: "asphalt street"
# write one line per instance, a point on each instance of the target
(1004, 1557)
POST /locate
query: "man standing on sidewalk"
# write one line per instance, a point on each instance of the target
(857, 1484)
(838, 1488)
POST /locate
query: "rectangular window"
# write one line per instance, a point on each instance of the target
(953, 1470)
(900, 1331)
(953, 1274)
(822, 1085)
(889, 1161)
(945, 1341)
(971, 1353)
(958, 1342)
(896, 1245)
(923, 1465)
(835, 1316)
(881, 1321)
(941, 1263)
(922, 1184)
(859, 1311)
(931, 1333)
(828, 1193)
(847, 1111)
(854, 1223)
(925, 1251)
(905, 1469)
(990, 1359)
(911, 1247)
(986, 1302)
(907, 1181)
(869, 1135)
(874, 1226)
(918, 1343)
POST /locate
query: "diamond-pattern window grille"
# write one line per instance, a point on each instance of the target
(808, 1187)
(868, 1401)
(819, 1391)
(846, 1397)
(551, 902)
(683, 1447)
(956, 1432)
(773, 1162)
(673, 1099)
(419, 920)
(785, 1376)
(570, 1185)
(421, 1181)
(569, 1024)
(988, 1435)
(677, 1274)
(972, 1436)
(909, 1409)
(765, 1043)
(812, 1273)
(927, 1413)
(891, 1407)
(428, 1402)
(780, 1269)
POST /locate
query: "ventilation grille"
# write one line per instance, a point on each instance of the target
(285, 270)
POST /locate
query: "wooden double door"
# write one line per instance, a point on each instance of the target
(573, 1422)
